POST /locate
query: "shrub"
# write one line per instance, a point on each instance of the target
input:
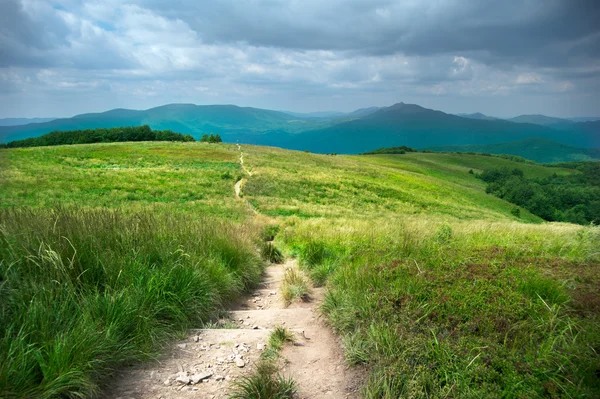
(516, 212)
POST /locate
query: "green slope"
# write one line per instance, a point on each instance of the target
(197, 176)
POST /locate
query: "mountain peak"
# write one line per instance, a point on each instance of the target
(405, 108)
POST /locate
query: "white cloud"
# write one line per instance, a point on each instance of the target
(529, 78)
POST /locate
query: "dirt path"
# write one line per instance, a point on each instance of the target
(242, 161)
(205, 363)
(238, 187)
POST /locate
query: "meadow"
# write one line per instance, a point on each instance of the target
(436, 287)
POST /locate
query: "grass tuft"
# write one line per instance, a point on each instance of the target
(294, 286)
(270, 253)
(266, 382)
(264, 386)
(279, 337)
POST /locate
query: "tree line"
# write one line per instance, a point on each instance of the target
(213, 138)
(572, 198)
(102, 135)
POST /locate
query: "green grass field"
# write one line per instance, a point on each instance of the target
(435, 287)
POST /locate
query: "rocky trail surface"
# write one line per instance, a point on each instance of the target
(205, 364)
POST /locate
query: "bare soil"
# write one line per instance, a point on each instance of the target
(219, 356)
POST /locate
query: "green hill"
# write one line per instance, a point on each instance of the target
(115, 249)
(536, 149)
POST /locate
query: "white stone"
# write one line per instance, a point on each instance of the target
(196, 378)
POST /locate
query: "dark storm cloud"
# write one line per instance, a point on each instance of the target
(537, 32)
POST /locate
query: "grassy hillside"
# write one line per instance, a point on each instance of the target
(307, 185)
(183, 177)
(539, 150)
(436, 288)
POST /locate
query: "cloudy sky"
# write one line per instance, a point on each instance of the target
(504, 58)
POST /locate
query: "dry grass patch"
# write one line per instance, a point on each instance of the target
(294, 286)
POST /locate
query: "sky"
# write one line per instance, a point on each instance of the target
(60, 58)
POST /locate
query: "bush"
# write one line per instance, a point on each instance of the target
(213, 138)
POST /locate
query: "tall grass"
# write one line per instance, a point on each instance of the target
(83, 292)
(464, 309)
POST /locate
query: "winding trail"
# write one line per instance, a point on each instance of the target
(207, 362)
(242, 161)
(239, 185)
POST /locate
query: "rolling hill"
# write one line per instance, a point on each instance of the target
(536, 149)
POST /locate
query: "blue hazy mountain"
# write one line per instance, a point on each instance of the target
(415, 126)
(23, 121)
(355, 132)
(536, 149)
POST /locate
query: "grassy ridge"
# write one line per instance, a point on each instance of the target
(83, 292)
(468, 309)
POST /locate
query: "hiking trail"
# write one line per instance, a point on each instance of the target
(207, 362)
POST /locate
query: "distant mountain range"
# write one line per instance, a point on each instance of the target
(540, 120)
(356, 132)
(539, 150)
(478, 115)
(534, 118)
(22, 121)
(231, 121)
(415, 126)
